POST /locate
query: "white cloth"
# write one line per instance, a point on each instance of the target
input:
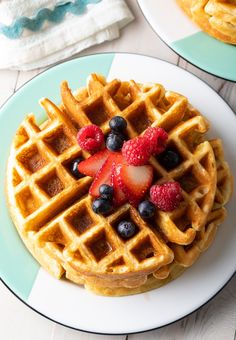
(56, 41)
(10, 10)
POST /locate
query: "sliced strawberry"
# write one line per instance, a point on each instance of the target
(103, 176)
(91, 165)
(134, 181)
(119, 197)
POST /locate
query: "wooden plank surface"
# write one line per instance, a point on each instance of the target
(217, 319)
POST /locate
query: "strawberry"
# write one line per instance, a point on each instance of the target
(119, 197)
(134, 181)
(91, 165)
(103, 175)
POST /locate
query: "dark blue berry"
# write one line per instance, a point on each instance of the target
(114, 141)
(169, 159)
(126, 229)
(74, 167)
(106, 191)
(118, 124)
(102, 206)
(146, 209)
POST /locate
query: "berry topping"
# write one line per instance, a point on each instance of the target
(102, 206)
(114, 141)
(134, 181)
(118, 124)
(169, 159)
(106, 191)
(90, 138)
(91, 165)
(126, 229)
(103, 176)
(167, 196)
(74, 167)
(136, 151)
(157, 138)
(119, 197)
(146, 209)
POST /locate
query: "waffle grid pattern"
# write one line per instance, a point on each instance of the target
(52, 210)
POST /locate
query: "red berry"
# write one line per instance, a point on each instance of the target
(157, 138)
(167, 196)
(119, 197)
(136, 151)
(134, 181)
(90, 138)
(93, 164)
(103, 175)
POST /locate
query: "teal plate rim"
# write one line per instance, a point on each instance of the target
(44, 315)
(176, 50)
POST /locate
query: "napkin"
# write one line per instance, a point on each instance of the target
(36, 34)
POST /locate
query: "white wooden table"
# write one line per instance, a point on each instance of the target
(217, 319)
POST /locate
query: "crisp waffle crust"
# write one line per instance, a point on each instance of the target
(52, 210)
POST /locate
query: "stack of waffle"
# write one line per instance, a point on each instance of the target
(52, 209)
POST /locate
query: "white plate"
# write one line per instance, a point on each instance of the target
(72, 305)
(177, 30)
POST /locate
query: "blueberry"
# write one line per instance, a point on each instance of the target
(74, 167)
(102, 206)
(126, 229)
(169, 159)
(114, 141)
(146, 209)
(118, 123)
(106, 191)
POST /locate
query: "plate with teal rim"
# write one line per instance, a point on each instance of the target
(184, 37)
(72, 305)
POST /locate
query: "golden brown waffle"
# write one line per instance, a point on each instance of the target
(216, 17)
(185, 256)
(52, 210)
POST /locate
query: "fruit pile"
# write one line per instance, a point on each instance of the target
(121, 171)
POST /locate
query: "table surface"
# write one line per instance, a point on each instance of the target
(217, 319)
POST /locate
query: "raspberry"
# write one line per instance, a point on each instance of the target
(90, 138)
(166, 196)
(136, 151)
(157, 138)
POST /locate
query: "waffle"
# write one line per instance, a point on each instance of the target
(216, 17)
(52, 210)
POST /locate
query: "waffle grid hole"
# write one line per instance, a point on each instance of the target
(27, 202)
(58, 141)
(116, 264)
(53, 236)
(205, 163)
(51, 184)
(122, 97)
(140, 119)
(182, 222)
(100, 246)
(21, 137)
(144, 250)
(192, 139)
(201, 202)
(97, 113)
(80, 220)
(31, 159)
(188, 181)
(16, 179)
